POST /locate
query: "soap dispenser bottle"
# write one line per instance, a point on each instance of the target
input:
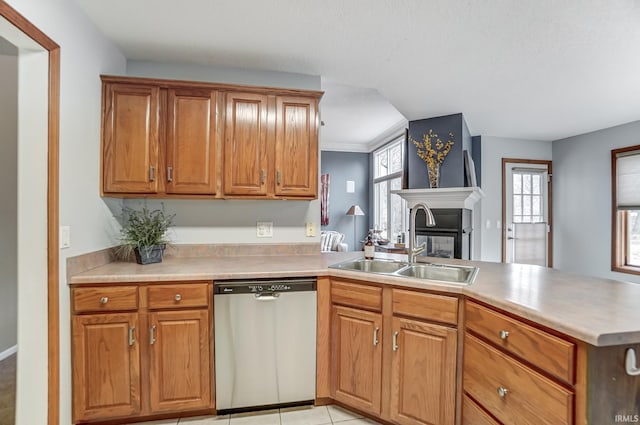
(369, 249)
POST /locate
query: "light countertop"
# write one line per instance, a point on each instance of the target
(598, 311)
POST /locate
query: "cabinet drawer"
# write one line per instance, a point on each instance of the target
(472, 414)
(548, 352)
(178, 295)
(114, 298)
(530, 397)
(352, 294)
(425, 306)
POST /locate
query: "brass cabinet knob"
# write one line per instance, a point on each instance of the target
(104, 300)
(502, 392)
(178, 297)
(503, 335)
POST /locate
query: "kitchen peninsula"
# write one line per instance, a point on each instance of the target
(560, 338)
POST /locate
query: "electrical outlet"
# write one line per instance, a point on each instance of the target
(311, 229)
(65, 237)
(264, 229)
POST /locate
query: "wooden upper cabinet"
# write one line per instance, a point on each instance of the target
(296, 147)
(191, 142)
(130, 138)
(245, 144)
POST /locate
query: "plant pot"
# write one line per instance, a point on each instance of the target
(149, 254)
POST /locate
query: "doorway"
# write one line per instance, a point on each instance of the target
(527, 232)
(37, 397)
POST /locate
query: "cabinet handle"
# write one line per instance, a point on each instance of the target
(503, 335)
(375, 336)
(132, 340)
(169, 176)
(104, 300)
(152, 335)
(395, 341)
(263, 176)
(278, 177)
(502, 392)
(178, 297)
(152, 173)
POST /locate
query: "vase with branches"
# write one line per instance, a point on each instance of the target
(432, 150)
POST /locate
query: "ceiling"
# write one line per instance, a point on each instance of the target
(529, 69)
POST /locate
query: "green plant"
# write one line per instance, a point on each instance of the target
(143, 228)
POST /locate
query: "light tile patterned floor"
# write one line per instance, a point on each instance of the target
(307, 415)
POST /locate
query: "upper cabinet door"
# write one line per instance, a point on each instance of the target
(131, 138)
(191, 142)
(296, 147)
(245, 144)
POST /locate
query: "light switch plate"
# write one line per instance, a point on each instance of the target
(65, 237)
(311, 229)
(264, 229)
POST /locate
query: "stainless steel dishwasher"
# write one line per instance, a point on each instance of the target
(265, 343)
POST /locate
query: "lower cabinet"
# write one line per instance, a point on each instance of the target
(423, 374)
(154, 359)
(357, 358)
(407, 338)
(106, 366)
(180, 376)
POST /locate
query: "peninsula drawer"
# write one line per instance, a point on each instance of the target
(178, 295)
(355, 295)
(114, 298)
(472, 414)
(548, 352)
(440, 308)
(510, 391)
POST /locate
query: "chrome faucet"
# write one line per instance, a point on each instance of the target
(430, 222)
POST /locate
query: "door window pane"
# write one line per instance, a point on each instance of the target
(536, 184)
(633, 237)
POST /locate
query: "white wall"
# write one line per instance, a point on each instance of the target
(8, 201)
(493, 150)
(582, 200)
(220, 221)
(85, 54)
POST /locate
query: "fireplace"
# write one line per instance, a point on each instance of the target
(450, 237)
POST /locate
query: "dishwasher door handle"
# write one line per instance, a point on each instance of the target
(267, 296)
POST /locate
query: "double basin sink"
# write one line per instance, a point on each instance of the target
(461, 275)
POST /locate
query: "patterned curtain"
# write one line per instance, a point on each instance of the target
(324, 199)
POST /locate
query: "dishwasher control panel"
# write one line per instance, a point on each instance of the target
(261, 286)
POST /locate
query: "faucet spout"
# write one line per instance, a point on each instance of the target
(430, 222)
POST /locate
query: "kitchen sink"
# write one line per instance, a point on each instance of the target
(372, 266)
(447, 273)
(462, 275)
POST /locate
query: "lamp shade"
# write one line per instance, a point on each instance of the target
(355, 210)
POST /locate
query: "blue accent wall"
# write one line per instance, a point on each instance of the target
(342, 167)
(452, 171)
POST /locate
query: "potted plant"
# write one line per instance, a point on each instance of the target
(144, 232)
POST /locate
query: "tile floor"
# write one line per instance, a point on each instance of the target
(307, 415)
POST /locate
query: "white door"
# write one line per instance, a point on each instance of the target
(526, 214)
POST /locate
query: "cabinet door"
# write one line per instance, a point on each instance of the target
(191, 142)
(245, 135)
(180, 375)
(423, 373)
(296, 147)
(130, 138)
(106, 366)
(357, 358)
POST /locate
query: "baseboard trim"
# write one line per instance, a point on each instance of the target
(8, 352)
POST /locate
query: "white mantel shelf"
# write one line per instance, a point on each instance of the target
(443, 197)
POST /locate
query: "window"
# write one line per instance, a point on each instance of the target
(625, 164)
(528, 201)
(390, 210)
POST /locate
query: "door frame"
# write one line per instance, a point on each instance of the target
(548, 163)
(53, 305)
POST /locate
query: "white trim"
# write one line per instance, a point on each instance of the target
(8, 352)
(451, 197)
(393, 132)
